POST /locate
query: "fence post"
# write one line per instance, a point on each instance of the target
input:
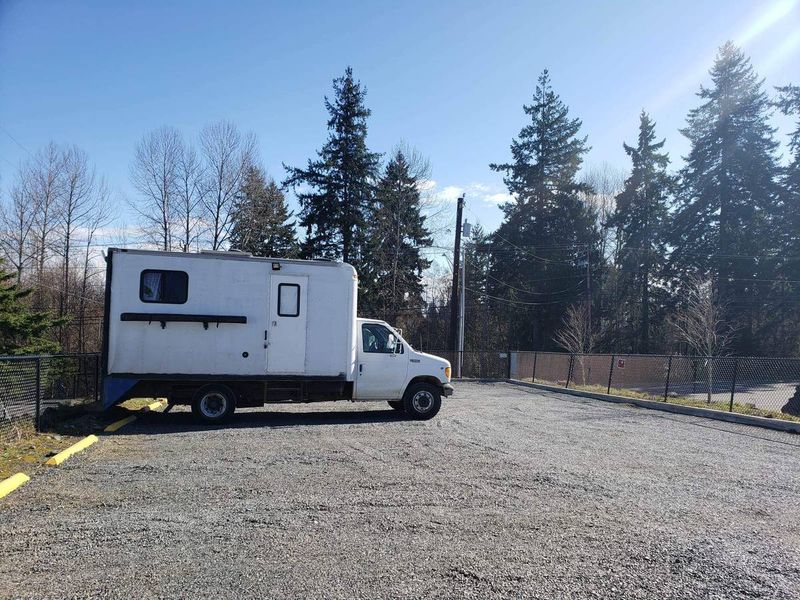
(533, 375)
(733, 383)
(96, 377)
(508, 366)
(666, 384)
(38, 391)
(611, 373)
(569, 371)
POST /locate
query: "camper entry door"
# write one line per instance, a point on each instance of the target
(286, 333)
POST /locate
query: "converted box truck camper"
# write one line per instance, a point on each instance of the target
(220, 330)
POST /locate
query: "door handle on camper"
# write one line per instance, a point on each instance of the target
(265, 339)
(361, 368)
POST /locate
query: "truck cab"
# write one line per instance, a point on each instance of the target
(389, 369)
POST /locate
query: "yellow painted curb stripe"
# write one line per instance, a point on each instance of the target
(75, 448)
(9, 485)
(119, 424)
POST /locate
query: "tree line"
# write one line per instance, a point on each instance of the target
(584, 259)
(703, 259)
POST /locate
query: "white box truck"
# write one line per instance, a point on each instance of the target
(220, 330)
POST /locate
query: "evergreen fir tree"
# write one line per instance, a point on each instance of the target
(336, 190)
(540, 251)
(391, 280)
(482, 325)
(21, 330)
(786, 336)
(789, 104)
(261, 220)
(725, 217)
(640, 218)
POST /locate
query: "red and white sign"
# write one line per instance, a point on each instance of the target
(620, 363)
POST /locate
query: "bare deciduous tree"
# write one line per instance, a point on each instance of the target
(99, 217)
(577, 334)
(227, 155)
(701, 324)
(17, 216)
(44, 177)
(154, 174)
(189, 196)
(76, 207)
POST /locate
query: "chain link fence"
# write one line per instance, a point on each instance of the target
(34, 387)
(766, 386)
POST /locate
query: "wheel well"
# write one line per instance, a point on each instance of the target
(425, 379)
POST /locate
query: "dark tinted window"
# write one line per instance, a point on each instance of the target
(164, 287)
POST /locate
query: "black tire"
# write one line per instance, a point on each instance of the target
(422, 401)
(398, 405)
(213, 403)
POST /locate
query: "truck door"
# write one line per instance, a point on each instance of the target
(382, 364)
(285, 337)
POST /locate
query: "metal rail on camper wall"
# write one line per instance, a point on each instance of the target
(164, 318)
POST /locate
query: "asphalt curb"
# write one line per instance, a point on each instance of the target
(730, 417)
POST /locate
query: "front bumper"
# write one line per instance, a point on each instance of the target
(448, 389)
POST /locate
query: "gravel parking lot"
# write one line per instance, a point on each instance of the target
(509, 492)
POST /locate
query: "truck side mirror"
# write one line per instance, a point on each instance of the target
(398, 347)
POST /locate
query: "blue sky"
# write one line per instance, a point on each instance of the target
(448, 78)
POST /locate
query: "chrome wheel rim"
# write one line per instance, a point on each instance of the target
(213, 405)
(422, 401)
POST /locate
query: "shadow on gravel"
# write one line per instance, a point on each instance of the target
(175, 422)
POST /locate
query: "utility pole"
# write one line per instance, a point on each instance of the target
(466, 231)
(454, 293)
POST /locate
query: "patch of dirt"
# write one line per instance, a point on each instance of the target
(25, 450)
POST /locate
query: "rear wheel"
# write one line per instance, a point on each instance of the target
(422, 401)
(397, 405)
(213, 403)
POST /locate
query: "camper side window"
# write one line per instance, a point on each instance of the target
(288, 300)
(163, 287)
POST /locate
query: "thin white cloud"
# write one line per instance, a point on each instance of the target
(451, 193)
(498, 198)
(474, 192)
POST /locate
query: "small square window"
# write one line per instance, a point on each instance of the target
(288, 300)
(164, 287)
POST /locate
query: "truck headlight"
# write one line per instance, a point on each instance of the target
(447, 373)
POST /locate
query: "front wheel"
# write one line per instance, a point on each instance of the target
(213, 403)
(397, 405)
(422, 401)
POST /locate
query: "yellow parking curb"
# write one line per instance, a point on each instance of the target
(75, 448)
(118, 424)
(9, 485)
(155, 405)
(130, 419)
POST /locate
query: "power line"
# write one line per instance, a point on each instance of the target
(529, 291)
(13, 139)
(518, 302)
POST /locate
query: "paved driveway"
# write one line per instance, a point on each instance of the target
(509, 492)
